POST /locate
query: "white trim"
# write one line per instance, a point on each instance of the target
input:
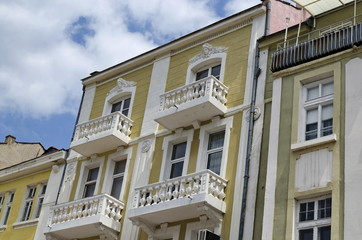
(202, 63)
(116, 95)
(25, 200)
(269, 202)
(87, 103)
(169, 232)
(195, 226)
(27, 223)
(314, 142)
(86, 165)
(112, 159)
(213, 127)
(2, 228)
(167, 145)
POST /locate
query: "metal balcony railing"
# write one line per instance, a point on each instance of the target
(317, 44)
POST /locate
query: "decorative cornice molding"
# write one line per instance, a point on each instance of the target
(121, 84)
(207, 51)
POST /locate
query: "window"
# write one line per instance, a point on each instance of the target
(41, 195)
(7, 208)
(28, 203)
(210, 71)
(314, 219)
(122, 106)
(318, 106)
(90, 184)
(2, 197)
(177, 159)
(117, 178)
(214, 151)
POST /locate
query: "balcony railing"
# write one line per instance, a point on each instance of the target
(178, 198)
(67, 219)
(102, 134)
(317, 44)
(197, 101)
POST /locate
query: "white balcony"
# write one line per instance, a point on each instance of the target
(102, 134)
(178, 199)
(94, 216)
(195, 102)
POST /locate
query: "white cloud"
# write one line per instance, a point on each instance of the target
(234, 6)
(41, 66)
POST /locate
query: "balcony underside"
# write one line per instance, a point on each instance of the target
(184, 115)
(85, 228)
(99, 143)
(177, 210)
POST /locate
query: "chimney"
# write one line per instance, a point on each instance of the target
(10, 139)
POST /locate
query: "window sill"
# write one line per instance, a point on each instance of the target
(2, 228)
(314, 142)
(25, 223)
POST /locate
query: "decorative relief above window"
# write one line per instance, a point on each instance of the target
(210, 62)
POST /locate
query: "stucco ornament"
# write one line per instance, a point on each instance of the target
(121, 84)
(207, 51)
(70, 171)
(146, 145)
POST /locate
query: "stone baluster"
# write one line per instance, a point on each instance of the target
(168, 103)
(80, 210)
(178, 97)
(74, 211)
(202, 88)
(222, 194)
(163, 192)
(182, 188)
(169, 191)
(184, 95)
(196, 90)
(149, 196)
(156, 195)
(175, 192)
(190, 182)
(196, 187)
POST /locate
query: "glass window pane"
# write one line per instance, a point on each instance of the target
(178, 151)
(117, 187)
(202, 74)
(92, 174)
(119, 167)
(324, 233)
(311, 131)
(89, 190)
(176, 169)
(116, 107)
(306, 211)
(327, 112)
(126, 103)
(312, 93)
(327, 89)
(125, 112)
(324, 208)
(214, 162)
(312, 116)
(215, 71)
(306, 234)
(216, 140)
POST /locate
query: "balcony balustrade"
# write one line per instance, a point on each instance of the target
(198, 101)
(329, 40)
(83, 218)
(102, 134)
(179, 198)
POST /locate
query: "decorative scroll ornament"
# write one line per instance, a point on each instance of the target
(121, 84)
(207, 51)
(146, 145)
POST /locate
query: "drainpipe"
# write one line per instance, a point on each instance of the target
(249, 146)
(267, 18)
(77, 119)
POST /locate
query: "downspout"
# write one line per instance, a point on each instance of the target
(249, 146)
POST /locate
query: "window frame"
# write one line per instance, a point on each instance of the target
(121, 155)
(40, 199)
(94, 162)
(118, 94)
(205, 131)
(316, 222)
(28, 210)
(167, 147)
(8, 201)
(316, 103)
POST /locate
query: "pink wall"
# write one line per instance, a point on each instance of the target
(279, 10)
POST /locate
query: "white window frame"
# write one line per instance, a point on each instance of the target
(202, 63)
(313, 104)
(7, 207)
(28, 199)
(205, 131)
(311, 224)
(193, 228)
(85, 166)
(40, 199)
(167, 147)
(170, 232)
(115, 96)
(2, 198)
(124, 154)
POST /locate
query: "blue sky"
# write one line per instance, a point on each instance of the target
(48, 46)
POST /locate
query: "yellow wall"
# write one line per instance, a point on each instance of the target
(19, 186)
